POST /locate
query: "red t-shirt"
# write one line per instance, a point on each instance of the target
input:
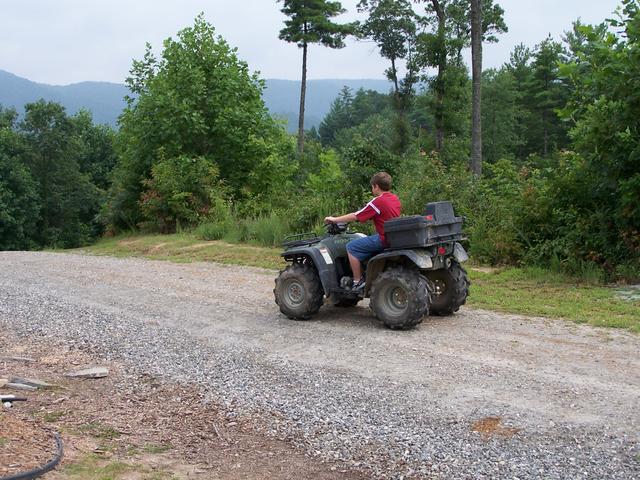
(384, 207)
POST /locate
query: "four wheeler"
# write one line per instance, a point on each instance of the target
(420, 272)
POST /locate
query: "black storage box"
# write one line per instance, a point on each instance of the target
(439, 211)
(437, 225)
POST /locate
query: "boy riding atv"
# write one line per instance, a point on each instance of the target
(412, 267)
(383, 207)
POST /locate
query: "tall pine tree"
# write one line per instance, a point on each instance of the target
(309, 21)
(392, 26)
(448, 32)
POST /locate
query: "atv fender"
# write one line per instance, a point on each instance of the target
(320, 257)
(420, 258)
(459, 253)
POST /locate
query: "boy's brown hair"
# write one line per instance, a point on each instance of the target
(382, 180)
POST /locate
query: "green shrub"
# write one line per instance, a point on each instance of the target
(212, 230)
(180, 192)
(492, 206)
(628, 272)
(359, 163)
(268, 231)
(237, 232)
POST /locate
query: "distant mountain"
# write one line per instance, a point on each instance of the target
(106, 100)
(282, 98)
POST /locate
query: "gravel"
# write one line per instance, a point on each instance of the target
(478, 395)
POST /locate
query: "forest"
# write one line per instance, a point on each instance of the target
(196, 149)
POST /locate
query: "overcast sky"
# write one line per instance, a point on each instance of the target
(68, 41)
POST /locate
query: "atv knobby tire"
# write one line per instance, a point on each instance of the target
(298, 291)
(450, 289)
(400, 297)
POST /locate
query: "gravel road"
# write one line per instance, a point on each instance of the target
(476, 395)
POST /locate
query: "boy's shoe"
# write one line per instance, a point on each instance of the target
(358, 286)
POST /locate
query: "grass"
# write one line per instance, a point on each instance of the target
(92, 467)
(534, 292)
(156, 449)
(186, 248)
(52, 416)
(99, 430)
(543, 293)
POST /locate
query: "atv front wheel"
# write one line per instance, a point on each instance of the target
(450, 289)
(298, 291)
(400, 297)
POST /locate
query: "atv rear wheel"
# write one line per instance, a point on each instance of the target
(298, 291)
(400, 297)
(450, 289)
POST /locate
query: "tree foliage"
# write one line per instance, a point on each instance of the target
(19, 205)
(392, 25)
(605, 79)
(69, 200)
(447, 31)
(502, 117)
(198, 100)
(309, 21)
(53, 171)
(180, 192)
(348, 111)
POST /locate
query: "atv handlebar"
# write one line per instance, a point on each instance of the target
(336, 228)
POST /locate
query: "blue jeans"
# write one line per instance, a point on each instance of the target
(365, 247)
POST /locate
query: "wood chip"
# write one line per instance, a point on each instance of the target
(32, 382)
(93, 372)
(16, 359)
(20, 386)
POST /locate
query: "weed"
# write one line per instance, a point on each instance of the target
(237, 232)
(50, 417)
(267, 231)
(132, 451)
(214, 230)
(99, 430)
(105, 447)
(155, 449)
(91, 467)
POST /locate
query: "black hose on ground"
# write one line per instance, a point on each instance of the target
(38, 472)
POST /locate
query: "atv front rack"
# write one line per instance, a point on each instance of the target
(300, 239)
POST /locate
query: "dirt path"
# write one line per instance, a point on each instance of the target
(540, 378)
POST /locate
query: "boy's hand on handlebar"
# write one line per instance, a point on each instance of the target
(329, 219)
